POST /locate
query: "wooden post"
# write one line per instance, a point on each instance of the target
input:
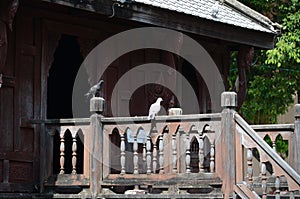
(295, 141)
(96, 140)
(225, 144)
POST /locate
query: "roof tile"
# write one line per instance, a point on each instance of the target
(203, 9)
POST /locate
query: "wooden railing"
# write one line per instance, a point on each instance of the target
(250, 140)
(254, 182)
(159, 153)
(67, 152)
(165, 146)
(172, 155)
(277, 134)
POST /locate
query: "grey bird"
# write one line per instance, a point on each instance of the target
(94, 90)
(154, 108)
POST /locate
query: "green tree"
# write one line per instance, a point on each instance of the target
(275, 74)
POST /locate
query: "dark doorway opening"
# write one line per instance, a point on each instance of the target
(67, 60)
(62, 74)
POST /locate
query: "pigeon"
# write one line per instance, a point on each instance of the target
(215, 10)
(94, 90)
(154, 108)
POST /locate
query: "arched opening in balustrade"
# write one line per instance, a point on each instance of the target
(194, 146)
(282, 146)
(115, 152)
(80, 152)
(268, 140)
(206, 151)
(67, 152)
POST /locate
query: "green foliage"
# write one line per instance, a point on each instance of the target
(275, 74)
(281, 145)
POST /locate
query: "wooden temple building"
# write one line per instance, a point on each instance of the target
(46, 151)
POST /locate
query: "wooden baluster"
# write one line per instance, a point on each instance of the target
(154, 155)
(292, 195)
(62, 154)
(144, 152)
(188, 153)
(135, 156)
(250, 168)
(148, 155)
(174, 153)
(264, 180)
(123, 157)
(212, 158)
(277, 186)
(201, 154)
(161, 154)
(74, 154)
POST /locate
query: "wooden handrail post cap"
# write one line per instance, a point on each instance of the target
(97, 105)
(229, 100)
(297, 111)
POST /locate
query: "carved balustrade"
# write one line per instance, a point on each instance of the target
(67, 152)
(169, 145)
(178, 153)
(271, 175)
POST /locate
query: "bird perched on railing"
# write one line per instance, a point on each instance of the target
(154, 108)
(95, 90)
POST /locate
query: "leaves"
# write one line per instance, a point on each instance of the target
(275, 75)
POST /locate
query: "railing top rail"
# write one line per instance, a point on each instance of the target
(267, 149)
(124, 120)
(69, 121)
(273, 127)
(165, 118)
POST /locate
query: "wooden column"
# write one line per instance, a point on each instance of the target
(225, 144)
(96, 140)
(295, 141)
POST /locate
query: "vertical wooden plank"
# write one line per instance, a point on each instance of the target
(96, 172)
(295, 141)
(227, 143)
(239, 159)
(7, 118)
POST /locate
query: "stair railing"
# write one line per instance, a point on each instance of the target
(236, 169)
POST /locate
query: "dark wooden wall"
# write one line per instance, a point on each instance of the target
(20, 102)
(24, 97)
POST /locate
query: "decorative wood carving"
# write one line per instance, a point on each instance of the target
(8, 9)
(188, 153)
(154, 155)
(161, 154)
(148, 155)
(86, 46)
(135, 156)
(62, 154)
(250, 168)
(123, 158)
(264, 180)
(174, 153)
(74, 154)
(201, 153)
(245, 57)
(212, 158)
(277, 186)
(51, 45)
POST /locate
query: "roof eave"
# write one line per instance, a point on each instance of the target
(263, 20)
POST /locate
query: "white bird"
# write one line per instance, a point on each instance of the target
(154, 108)
(94, 90)
(215, 9)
